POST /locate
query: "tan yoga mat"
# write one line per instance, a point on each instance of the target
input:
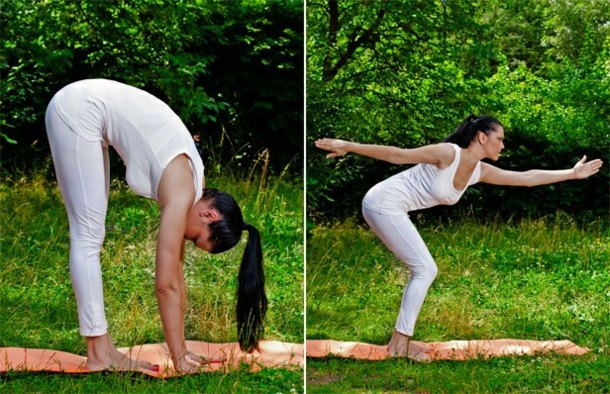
(271, 354)
(275, 354)
(451, 350)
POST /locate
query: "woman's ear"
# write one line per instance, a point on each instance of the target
(482, 137)
(209, 215)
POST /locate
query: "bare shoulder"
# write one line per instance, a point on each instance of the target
(488, 170)
(176, 185)
(439, 155)
(445, 154)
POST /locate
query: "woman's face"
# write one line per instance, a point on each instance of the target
(202, 238)
(493, 143)
(197, 227)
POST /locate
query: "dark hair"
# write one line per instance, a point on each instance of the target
(251, 299)
(466, 132)
(226, 232)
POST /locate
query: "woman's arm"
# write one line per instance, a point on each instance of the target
(497, 176)
(169, 282)
(438, 154)
(176, 195)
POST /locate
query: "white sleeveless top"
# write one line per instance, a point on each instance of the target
(144, 130)
(419, 187)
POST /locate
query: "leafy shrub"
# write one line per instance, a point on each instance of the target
(405, 73)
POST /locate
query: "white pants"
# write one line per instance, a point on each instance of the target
(400, 236)
(82, 170)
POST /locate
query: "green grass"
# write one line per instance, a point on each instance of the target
(536, 279)
(38, 309)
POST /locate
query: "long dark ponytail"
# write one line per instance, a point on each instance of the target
(251, 299)
(466, 132)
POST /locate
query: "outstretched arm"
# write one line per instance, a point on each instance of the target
(438, 154)
(497, 176)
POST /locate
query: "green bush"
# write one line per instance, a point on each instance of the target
(231, 70)
(406, 73)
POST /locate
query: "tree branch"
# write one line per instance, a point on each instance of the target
(333, 27)
(333, 23)
(354, 43)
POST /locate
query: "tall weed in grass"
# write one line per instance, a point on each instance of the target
(534, 279)
(38, 309)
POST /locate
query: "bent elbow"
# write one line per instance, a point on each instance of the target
(528, 183)
(163, 289)
(397, 157)
(530, 179)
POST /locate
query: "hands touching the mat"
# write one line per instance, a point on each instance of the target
(189, 363)
(192, 362)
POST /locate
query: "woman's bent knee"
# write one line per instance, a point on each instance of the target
(426, 271)
(432, 271)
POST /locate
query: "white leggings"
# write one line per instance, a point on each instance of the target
(82, 170)
(400, 236)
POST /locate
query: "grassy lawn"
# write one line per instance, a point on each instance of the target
(38, 309)
(536, 279)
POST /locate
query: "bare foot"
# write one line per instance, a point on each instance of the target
(401, 346)
(102, 355)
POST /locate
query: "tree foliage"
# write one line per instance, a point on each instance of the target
(406, 73)
(231, 70)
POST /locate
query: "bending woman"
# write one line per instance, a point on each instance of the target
(82, 120)
(443, 173)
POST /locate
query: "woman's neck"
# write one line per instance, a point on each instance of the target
(473, 154)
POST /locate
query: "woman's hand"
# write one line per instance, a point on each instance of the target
(191, 363)
(336, 147)
(584, 169)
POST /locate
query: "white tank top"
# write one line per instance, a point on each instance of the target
(419, 187)
(144, 130)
